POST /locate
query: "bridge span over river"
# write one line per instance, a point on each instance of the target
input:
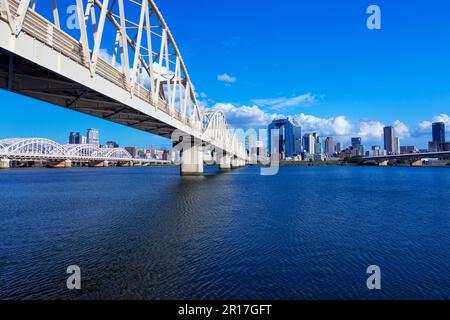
(39, 151)
(414, 158)
(120, 63)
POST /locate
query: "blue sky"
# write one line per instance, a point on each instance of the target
(314, 60)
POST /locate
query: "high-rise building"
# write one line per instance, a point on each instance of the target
(358, 148)
(356, 142)
(318, 148)
(309, 143)
(93, 136)
(375, 151)
(389, 142)
(338, 147)
(438, 129)
(290, 142)
(397, 145)
(258, 150)
(75, 138)
(329, 146)
(250, 146)
(317, 143)
(72, 137)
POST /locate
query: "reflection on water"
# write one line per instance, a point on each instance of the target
(147, 233)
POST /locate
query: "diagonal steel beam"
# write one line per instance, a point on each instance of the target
(114, 113)
(76, 99)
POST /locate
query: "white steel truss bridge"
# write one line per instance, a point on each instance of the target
(116, 60)
(39, 149)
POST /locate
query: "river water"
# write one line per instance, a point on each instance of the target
(147, 233)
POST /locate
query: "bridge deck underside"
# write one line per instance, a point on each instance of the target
(32, 80)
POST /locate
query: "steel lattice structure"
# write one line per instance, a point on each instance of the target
(121, 64)
(45, 149)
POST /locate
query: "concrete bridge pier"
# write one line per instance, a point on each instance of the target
(235, 163)
(125, 164)
(191, 160)
(5, 163)
(383, 163)
(60, 164)
(417, 163)
(225, 161)
(215, 157)
(98, 164)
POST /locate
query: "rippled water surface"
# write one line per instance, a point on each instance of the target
(147, 233)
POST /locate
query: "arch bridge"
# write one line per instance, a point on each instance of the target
(39, 149)
(112, 59)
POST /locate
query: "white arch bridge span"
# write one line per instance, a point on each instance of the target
(54, 154)
(116, 60)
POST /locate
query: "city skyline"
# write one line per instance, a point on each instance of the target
(312, 146)
(355, 92)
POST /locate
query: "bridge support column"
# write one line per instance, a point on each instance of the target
(225, 162)
(383, 163)
(5, 163)
(235, 163)
(215, 157)
(191, 160)
(417, 163)
(98, 164)
(60, 164)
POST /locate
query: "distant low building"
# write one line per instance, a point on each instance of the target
(433, 146)
(407, 149)
(166, 155)
(446, 146)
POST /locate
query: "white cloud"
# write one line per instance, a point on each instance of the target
(424, 127)
(246, 116)
(442, 118)
(225, 77)
(337, 126)
(254, 117)
(287, 102)
(401, 129)
(370, 129)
